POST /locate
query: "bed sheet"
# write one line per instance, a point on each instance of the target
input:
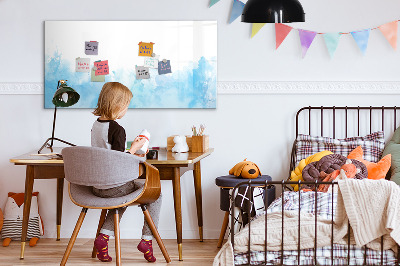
(324, 206)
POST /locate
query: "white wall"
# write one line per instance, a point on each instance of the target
(257, 127)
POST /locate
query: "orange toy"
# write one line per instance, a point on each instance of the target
(245, 169)
(375, 170)
(12, 222)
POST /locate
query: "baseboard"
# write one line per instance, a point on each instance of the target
(259, 87)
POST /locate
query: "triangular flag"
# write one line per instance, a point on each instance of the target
(361, 37)
(213, 2)
(255, 28)
(237, 9)
(332, 41)
(281, 31)
(390, 32)
(306, 39)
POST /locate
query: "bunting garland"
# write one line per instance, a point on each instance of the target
(332, 41)
(389, 30)
(281, 31)
(306, 39)
(237, 8)
(256, 27)
(213, 2)
(361, 37)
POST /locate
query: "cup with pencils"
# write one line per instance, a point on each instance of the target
(199, 140)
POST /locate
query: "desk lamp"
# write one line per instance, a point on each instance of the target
(64, 96)
(273, 11)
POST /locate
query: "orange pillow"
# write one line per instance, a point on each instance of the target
(375, 170)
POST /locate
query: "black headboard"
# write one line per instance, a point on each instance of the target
(344, 121)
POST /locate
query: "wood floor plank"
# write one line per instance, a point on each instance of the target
(49, 252)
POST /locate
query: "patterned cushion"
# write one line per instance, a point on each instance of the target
(372, 144)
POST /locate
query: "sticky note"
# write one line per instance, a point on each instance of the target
(94, 78)
(82, 64)
(142, 72)
(145, 48)
(101, 67)
(151, 62)
(92, 48)
(164, 67)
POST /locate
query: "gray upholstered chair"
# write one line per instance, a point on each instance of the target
(85, 167)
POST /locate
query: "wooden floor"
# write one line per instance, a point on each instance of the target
(50, 252)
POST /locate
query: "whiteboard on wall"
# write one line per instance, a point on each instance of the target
(190, 48)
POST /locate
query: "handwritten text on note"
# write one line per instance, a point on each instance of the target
(92, 48)
(101, 67)
(145, 48)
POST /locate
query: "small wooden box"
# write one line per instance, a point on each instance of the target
(200, 143)
(171, 143)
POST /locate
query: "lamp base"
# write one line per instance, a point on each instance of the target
(50, 146)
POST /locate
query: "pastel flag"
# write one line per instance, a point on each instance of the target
(281, 31)
(213, 2)
(332, 41)
(306, 39)
(361, 37)
(256, 27)
(237, 9)
(389, 30)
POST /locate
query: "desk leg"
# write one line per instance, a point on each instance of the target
(176, 182)
(199, 204)
(60, 190)
(27, 206)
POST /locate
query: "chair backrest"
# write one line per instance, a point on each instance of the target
(92, 166)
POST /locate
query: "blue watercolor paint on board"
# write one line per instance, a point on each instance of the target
(193, 86)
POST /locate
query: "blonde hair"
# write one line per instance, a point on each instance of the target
(113, 97)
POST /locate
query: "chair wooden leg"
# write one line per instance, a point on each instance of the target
(73, 237)
(117, 239)
(101, 222)
(154, 230)
(223, 229)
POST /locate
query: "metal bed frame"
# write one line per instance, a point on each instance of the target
(283, 184)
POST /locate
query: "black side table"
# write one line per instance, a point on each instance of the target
(226, 183)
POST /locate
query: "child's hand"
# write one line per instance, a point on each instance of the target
(137, 144)
(143, 155)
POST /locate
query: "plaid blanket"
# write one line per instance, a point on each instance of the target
(324, 257)
(323, 205)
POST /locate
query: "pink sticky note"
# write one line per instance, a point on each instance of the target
(101, 68)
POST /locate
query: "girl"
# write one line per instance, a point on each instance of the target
(106, 133)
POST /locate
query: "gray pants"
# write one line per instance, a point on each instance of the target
(153, 208)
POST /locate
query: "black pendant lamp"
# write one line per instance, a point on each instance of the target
(273, 11)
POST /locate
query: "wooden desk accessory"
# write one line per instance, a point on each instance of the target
(200, 143)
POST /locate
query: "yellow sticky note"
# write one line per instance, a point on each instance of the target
(145, 48)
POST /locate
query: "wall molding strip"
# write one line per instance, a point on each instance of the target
(259, 87)
(309, 87)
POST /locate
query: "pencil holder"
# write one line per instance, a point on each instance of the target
(200, 143)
